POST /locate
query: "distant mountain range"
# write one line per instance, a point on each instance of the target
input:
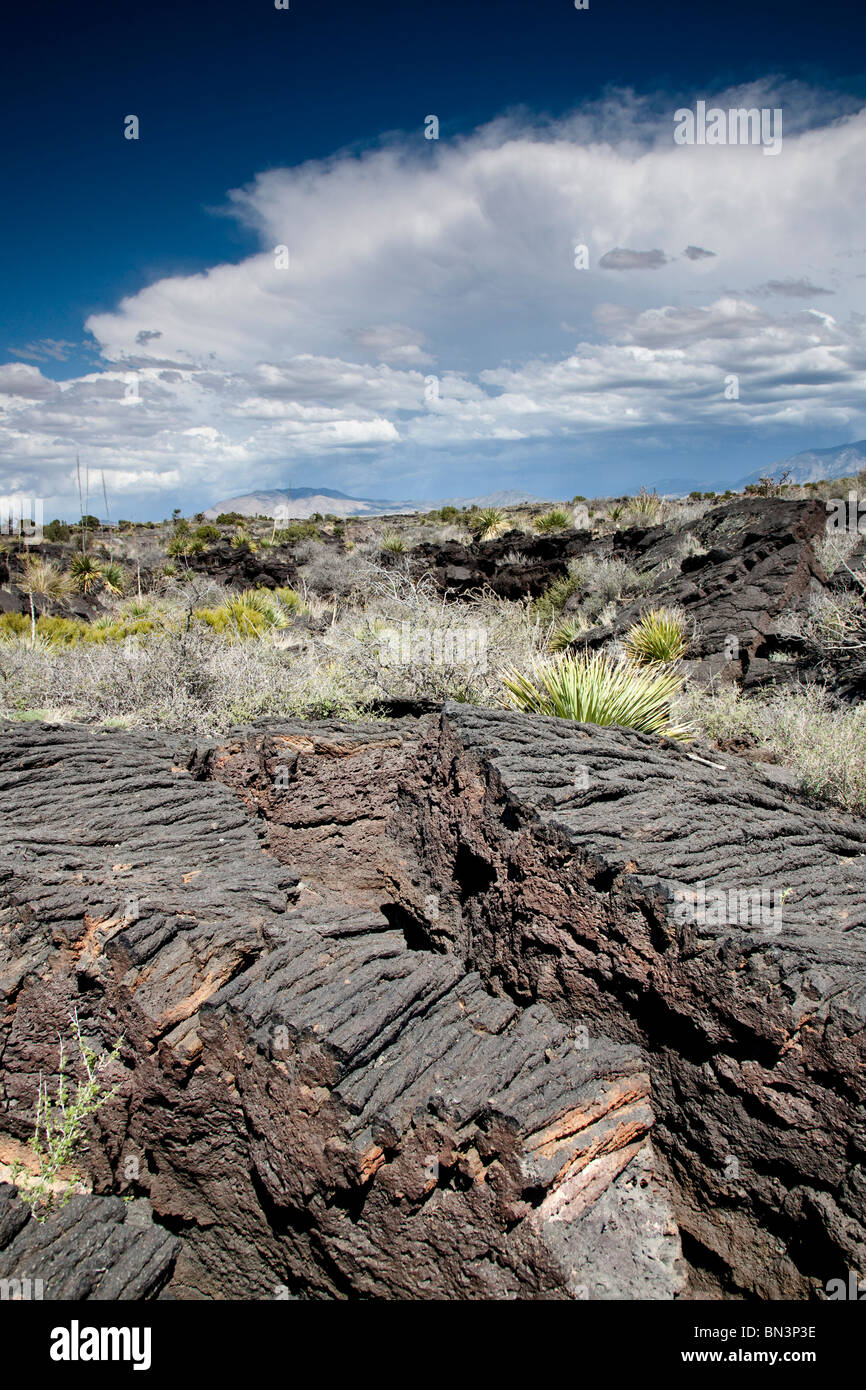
(810, 466)
(300, 503)
(814, 464)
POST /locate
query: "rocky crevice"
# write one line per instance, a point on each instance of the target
(410, 1009)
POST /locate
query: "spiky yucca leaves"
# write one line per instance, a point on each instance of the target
(567, 632)
(660, 635)
(556, 520)
(392, 543)
(45, 578)
(290, 599)
(114, 578)
(593, 688)
(646, 506)
(489, 523)
(251, 614)
(85, 572)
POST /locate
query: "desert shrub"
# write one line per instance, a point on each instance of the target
(594, 688)
(413, 644)
(834, 626)
(13, 625)
(207, 533)
(230, 519)
(330, 572)
(822, 741)
(659, 635)
(834, 550)
(488, 523)
(601, 582)
(296, 531)
(556, 520)
(56, 531)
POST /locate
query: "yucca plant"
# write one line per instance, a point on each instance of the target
(567, 632)
(290, 599)
(85, 572)
(489, 523)
(616, 512)
(45, 578)
(251, 614)
(114, 578)
(593, 688)
(556, 520)
(646, 506)
(660, 635)
(392, 543)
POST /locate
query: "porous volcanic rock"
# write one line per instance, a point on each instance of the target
(754, 566)
(97, 1248)
(243, 567)
(739, 572)
(433, 1008)
(310, 1101)
(567, 864)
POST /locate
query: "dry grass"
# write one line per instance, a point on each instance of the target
(823, 742)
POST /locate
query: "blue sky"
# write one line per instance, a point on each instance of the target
(431, 335)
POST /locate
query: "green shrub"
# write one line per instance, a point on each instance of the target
(253, 613)
(660, 635)
(556, 520)
(489, 523)
(114, 578)
(13, 625)
(297, 531)
(60, 1133)
(593, 688)
(290, 599)
(554, 599)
